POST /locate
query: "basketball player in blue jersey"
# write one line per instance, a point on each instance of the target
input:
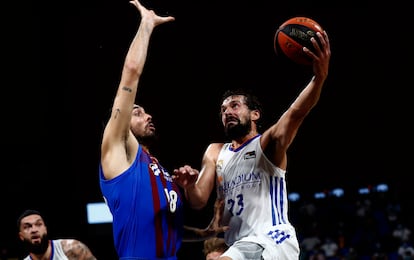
(145, 203)
(250, 171)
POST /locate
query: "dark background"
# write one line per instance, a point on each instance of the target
(63, 63)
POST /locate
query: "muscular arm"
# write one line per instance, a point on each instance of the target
(118, 143)
(76, 250)
(194, 234)
(199, 185)
(284, 131)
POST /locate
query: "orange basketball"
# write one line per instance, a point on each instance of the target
(293, 35)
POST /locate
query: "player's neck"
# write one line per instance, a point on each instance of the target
(236, 143)
(145, 148)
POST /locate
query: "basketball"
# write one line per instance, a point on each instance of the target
(293, 35)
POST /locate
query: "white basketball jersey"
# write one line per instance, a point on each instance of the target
(254, 189)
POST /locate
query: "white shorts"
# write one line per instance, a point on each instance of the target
(262, 247)
(244, 250)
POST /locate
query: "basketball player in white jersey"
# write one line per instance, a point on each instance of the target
(33, 234)
(250, 171)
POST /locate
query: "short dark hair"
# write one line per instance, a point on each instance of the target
(251, 101)
(26, 213)
(212, 244)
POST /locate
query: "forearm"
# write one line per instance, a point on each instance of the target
(309, 96)
(196, 197)
(137, 52)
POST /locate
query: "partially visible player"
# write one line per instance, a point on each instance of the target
(214, 247)
(33, 233)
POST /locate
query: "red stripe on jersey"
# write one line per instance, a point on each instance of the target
(157, 218)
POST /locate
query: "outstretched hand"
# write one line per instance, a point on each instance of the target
(185, 176)
(150, 14)
(215, 225)
(321, 56)
(214, 228)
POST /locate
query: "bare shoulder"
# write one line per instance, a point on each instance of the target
(213, 149)
(211, 154)
(76, 250)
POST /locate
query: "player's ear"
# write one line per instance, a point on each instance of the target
(255, 115)
(20, 236)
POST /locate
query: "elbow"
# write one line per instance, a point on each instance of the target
(197, 197)
(132, 67)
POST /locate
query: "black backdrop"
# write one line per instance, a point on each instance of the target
(63, 63)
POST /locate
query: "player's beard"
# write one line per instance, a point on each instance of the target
(148, 140)
(237, 131)
(38, 248)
